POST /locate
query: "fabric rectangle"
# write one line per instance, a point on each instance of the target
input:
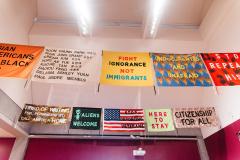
(124, 120)
(159, 120)
(180, 70)
(224, 68)
(195, 117)
(18, 60)
(66, 66)
(126, 69)
(45, 114)
(86, 118)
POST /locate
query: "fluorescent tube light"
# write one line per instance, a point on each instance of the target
(157, 8)
(81, 8)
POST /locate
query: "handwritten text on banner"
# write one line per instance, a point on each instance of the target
(195, 117)
(66, 66)
(45, 114)
(126, 69)
(180, 70)
(159, 120)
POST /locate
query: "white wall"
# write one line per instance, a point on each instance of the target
(221, 33)
(16, 21)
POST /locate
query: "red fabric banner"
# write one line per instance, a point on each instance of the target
(224, 68)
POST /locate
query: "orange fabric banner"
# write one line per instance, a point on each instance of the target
(18, 60)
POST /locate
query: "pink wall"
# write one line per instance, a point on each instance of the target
(71, 149)
(224, 144)
(6, 145)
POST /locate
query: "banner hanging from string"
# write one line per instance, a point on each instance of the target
(180, 70)
(159, 120)
(126, 69)
(18, 60)
(67, 66)
(123, 120)
(86, 118)
(224, 68)
(195, 117)
(44, 114)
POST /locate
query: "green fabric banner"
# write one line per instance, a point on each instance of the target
(159, 120)
(86, 118)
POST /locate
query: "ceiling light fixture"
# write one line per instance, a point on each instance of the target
(157, 8)
(81, 8)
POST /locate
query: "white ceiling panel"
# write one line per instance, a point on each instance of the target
(133, 11)
(189, 12)
(55, 9)
(101, 10)
(120, 10)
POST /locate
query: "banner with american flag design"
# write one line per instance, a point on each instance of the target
(124, 120)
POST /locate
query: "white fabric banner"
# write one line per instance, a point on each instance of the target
(67, 66)
(195, 117)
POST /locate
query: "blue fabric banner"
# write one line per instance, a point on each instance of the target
(180, 70)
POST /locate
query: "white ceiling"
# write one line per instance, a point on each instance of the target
(188, 12)
(101, 10)
(184, 12)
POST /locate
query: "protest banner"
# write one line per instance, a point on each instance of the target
(195, 117)
(44, 114)
(66, 66)
(126, 69)
(224, 68)
(18, 60)
(180, 70)
(159, 120)
(86, 118)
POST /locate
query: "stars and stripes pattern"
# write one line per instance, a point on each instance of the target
(124, 120)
